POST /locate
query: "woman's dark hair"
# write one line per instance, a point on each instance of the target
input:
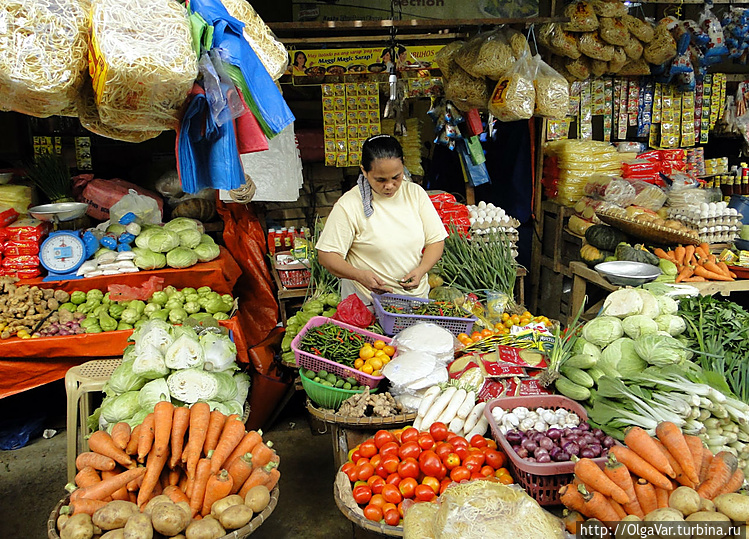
(389, 51)
(298, 54)
(380, 147)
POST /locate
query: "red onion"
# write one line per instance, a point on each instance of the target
(596, 449)
(608, 442)
(587, 453)
(598, 433)
(514, 437)
(543, 459)
(571, 448)
(582, 442)
(554, 452)
(561, 456)
(521, 452)
(529, 445)
(583, 426)
(546, 443)
(554, 434)
(590, 439)
(531, 459)
(540, 452)
(566, 431)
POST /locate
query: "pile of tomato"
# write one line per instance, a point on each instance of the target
(406, 464)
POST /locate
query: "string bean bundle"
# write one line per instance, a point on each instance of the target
(446, 309)
(333, 342)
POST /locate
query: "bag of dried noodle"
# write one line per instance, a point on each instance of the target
(618, 61)
(578, 68)
(608, 8)
(598, 68)
(582, 17)
(662, 48)
(633, 48)
(613, 31)
(642, 30)
(467, 55)
(464, 90)
(518, 42)
(592, 46)
(444, 56)
(635, 67)
(494, 56)
(514, 96)
(552, 91)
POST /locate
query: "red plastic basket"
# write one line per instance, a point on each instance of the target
(541, 481)
(317, 363)
(294, 275)
(393, 323)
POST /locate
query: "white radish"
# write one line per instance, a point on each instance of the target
(479, 428)
(468, 403)
(438, 407)
(452, 408)
(429, 397)
(417, 422)
(456, 425)
(473, 418)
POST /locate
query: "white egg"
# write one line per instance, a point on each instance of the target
(482, 205)
(482, 213)
(712, 205)
(472, 219)
(723, 204)
(491, 213)
(711, 229)
(704, 206)
(490, 206)
(473, 213)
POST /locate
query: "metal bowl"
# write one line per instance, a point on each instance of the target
(62, 211)
(628, 273)
(5, 177)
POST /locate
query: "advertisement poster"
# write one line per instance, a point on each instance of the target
(411, 9)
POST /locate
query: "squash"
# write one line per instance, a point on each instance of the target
(604, 237)
(591, 255)
(578, 225)
(638, 253)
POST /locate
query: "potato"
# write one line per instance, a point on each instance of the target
(734, 506)
(168, 519)
(685, 499)
(78, 527)
(664, 515)
(119, 533)
(186, 509)
(208, 528)
(257, 498)
(114, 515)
(138, 527)
(219, 506)
(719, 524)
(708, 516)
(235, 516)
(628, 528)
(706, 505)
(61, 520)
(153, 502)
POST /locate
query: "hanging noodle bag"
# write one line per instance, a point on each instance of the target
(143, 64)
(514, 96)
(552, 91)
(43, 55)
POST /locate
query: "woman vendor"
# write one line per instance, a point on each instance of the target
(384, 234)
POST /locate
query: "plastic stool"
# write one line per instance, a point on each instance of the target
(79, 382)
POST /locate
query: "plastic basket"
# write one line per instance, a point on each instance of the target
(393, 323)
(541, 481)
(317, 363)
(294, 275)
(327, 397)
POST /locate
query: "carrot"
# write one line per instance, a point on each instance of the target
(619, 474)
(180, 422)
(704, 247)
(262, 454)
(700, 271)
(202, 472)
(135, 484)
(572, 520)
(162, 421)
(660, 253)
(230, 437)
(590, 474)
(101, 442)
(275, 475)
(571, 498)
(96, 461)
(164, 477)
(218, 486)
(598, 506)
(646, 496)
(174, 476)
(133, 497)
(87, 476)
(688, 253)
(721, 469)
(88, 506)
(681, 478)
(621, 513)
(679, 254)
(216, 424)
(684, 273)
(673, 440)
(132, 444)
(733, 484)
(661, 498)
(145, 437)
(707, 458)
(248, 443)
(175, 494)
(724, 267)
(715, 268)
(693, 279)
(200, 414)
(105, 488)
(259, 476)
(640, 467)
(695, 449)
(120, 493)
(641, 443)
(121, 434)
(240, 470)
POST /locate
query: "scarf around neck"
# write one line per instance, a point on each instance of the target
(366, 195)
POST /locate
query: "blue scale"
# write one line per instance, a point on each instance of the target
(63, 252)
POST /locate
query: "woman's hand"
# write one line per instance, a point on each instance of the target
(372, 282)
(412, 280)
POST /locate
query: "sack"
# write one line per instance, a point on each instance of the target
(514, 96)
(101, 195)
(352, 311)
(144, 207)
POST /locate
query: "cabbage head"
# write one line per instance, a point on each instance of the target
(179, 224)
(163, 241)
(620, 358)
(242, 380)
(603, 330)
(178, 331)
(121, 407)
(148, 260)
(181, 257)
(138, 417)
(153, 392)
(150, 363)
(189, 238)
(622, 303)
(227, 387)
(671, 324)
(227, 407)
(142, 239)
(582, 346)
(192, 385)
(156, 333)
(184, 353)
(205, 238)
(207, 251)
(650, 306)
(637, 325)
(661, 350)
(220, 353)
(668, 305)
(123, 379)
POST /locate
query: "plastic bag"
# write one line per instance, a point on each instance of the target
(494, 56)
(552, 91)
(579, 68)
(592, 46)
(663, 47)
(444, 56)
(618, 61)
(582, 17)
(640, 29)
(633, 49)
(518, 42)
(711, 25)
(551, 36)
(613, 31)
(468, 54)
(427, 338)
(514, 95)
(352, 311)
(648, 195)
(466, 91)
(598, 67)
(635, 67)
(608, 8)
(144, 207)
(122, 292)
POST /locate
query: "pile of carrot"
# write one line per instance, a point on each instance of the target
(639, 476)
(696, 264)
(189, 454)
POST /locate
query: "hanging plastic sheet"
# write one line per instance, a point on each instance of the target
(262, 95)
(250, 136)
(277, 173)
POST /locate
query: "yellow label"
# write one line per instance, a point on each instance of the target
(97, 67)
(499, 97)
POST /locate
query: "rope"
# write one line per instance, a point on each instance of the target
(245, 192)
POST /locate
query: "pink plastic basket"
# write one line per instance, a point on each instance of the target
(541, 481)
(317, 363)
(393, 323)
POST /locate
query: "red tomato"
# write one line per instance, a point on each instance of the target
(382, 437)
(409, 449)
(393, 479)
(390, 463)
(390, 448)
(354, 455)
(381, 471)
(504, 476)
(364, 471)
(459, 441)
(368, 448)
(451, 435)
(372, 512)
(424, 493)
(408, 468)
(430, 463)
(376, 483)
(444, 484)
(439, 431)
(474, 461)
(392, 494)
(478, 441)
(426, 441)
(487, 471)
(361, 460)
(460, 473)
(432, 482)
(444, 449)
(476, 475)
(494, 458)
(451, 461)
(375, 461)
(462, 451)
(388, 506)
(350, 470)
(400, 509)
(392, 517)
(491, 444)
(408, 487)
(362, 494)
(397, 433)
(377, 500)
(410, 435)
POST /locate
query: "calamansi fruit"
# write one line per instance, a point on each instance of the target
(379, 344)
(358, 363)
(366, 352)
(376, 363)
(367, 368)
(389, 350)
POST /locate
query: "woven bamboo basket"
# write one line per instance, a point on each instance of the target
(646, 231)
(344, 499)
(240, 533)
(329, 416)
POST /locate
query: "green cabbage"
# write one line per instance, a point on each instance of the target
(207, 251)
(650, 306)
(582, 346)
(189, 238)
(149, 363)
(163, 241)
(145, 235)
(661, 350)
(153, 392)
(220, 353)
(184, 353)
(181, 257)
(123, 379)
(603, 330)
(116, 229)
(242, 380)
(138, 417)
(178, 331)
(622, 303)
(668, 305)
(227, 407)
(156, 333)
(120, 407)
(227, 387)
(620, 358)
(178, 224)
(192, 385)
(637, 325)
(146, 259)
(205, 238)
(671, 324)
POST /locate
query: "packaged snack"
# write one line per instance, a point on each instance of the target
(608, 8)
(635, 67)
(579, 68)
(633, 49)
(582, 17)
(598, 67)
(640, 29)
(558, 41)
(21, 248)
(27, 229)
(514, 96)
(552, 91)
(592, 46)
(662, 48)
(613, 31)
